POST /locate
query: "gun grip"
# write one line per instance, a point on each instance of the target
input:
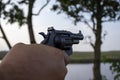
(69, 51)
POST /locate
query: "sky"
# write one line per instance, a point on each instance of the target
(48, 18)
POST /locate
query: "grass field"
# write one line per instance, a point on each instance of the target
(2, 54)
(87, 57)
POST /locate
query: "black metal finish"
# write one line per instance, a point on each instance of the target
(61, 39)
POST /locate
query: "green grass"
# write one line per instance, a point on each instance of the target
(2, 54)
(86, 57)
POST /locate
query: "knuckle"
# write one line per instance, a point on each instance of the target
(19, 45)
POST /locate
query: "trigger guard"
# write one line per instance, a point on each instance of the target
(69, 51)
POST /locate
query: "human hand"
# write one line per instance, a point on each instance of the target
(34, 62)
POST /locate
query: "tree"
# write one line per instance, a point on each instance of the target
(115, 68)
(5, 37)
(29, 17)
(17, 14)
(2, 10)
(30, 14)
(99, 11)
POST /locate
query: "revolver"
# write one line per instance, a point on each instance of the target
(61, 39)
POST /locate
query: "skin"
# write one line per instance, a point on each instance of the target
(34, 62)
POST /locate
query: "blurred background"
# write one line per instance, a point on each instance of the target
(97, 20)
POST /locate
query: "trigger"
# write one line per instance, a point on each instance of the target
(43, 34)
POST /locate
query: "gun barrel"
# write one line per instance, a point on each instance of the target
(75, 41)
(77, 36)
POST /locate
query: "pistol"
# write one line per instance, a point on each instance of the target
(61, 39)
